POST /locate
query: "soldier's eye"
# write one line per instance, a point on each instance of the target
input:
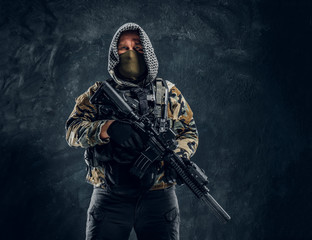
(138, 48)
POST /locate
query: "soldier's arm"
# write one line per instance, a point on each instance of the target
(183, 124)
(82, 127)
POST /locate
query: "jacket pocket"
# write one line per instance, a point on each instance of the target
(171, 215)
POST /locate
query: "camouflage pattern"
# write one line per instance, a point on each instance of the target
(83, 129)
(182, 123)
(96, 177)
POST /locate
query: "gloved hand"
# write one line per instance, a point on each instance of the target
(171, 175)
(125, 136)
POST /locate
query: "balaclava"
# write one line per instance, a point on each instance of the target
(131, 66)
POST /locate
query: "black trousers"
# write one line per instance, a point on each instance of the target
(154, 215)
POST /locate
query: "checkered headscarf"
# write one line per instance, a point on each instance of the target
(149, 55)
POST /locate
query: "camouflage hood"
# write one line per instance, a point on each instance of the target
(149, 55)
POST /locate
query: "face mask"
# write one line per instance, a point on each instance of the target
(131, 65)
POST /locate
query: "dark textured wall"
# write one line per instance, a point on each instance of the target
(245, 68)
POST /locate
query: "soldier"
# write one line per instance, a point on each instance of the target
(120, 201)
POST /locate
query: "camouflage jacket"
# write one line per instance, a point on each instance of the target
(82, 130)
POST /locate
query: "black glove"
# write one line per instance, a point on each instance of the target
(125, 136)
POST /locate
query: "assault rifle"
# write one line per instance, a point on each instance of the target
(160, 146)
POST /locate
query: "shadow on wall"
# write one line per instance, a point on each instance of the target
(290, 206)
(35, 200)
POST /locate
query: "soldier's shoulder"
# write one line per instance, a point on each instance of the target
(174, 91)
(93, 88)
(170, 84)
(87, 94)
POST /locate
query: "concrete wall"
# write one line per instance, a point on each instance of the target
(243, 66)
